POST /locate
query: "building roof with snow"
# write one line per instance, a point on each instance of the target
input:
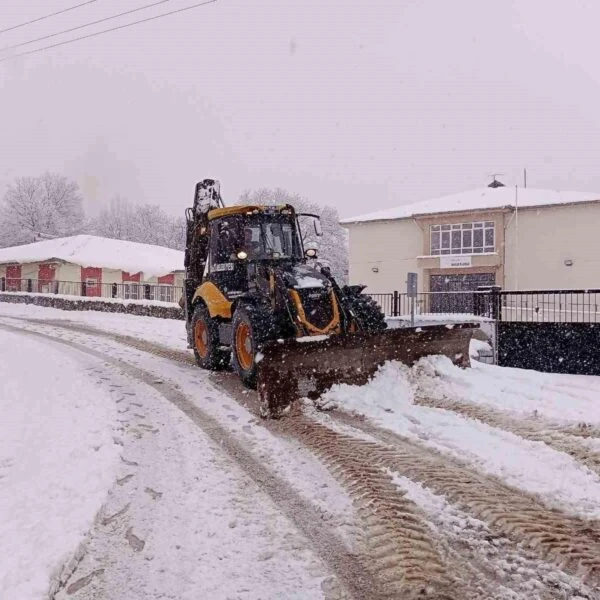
(93, 251)
(487, 198)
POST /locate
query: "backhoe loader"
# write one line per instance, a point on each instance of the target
(256, 297)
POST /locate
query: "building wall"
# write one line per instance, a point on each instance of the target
(546, 238)
(533, 259)
(68, 272)
(13, 272)
(179, 277)
(396, 248)
(391, 247)
(92, 273)
(69, 277)
(46, 272)
(30, 270)
(131, 277)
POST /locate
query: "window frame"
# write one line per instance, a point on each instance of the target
(131, 291)
(166, 290)
(443, 238)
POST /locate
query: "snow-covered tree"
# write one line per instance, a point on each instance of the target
(145, 223)
(332, 245)
(116, 220)
(35, 207)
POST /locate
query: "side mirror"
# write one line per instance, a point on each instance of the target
(318, 228)
(310, 253)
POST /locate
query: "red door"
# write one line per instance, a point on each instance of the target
(46, 276)
(92, 278)
(13, 278)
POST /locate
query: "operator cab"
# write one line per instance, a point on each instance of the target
(254, 237)
(244, 241)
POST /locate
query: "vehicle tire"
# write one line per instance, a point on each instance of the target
(205, 337)
(368, 313)
(251, 327)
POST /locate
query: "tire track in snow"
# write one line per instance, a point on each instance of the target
(398, 541)
(557, 437)
(350, 570)
(570, 543)
(497, 568)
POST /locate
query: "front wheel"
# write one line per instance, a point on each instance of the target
(205, 334)
(251, 327)
(367, 312)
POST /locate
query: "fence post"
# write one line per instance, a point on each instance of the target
(478, 302)
(395, 301)
(496, 302)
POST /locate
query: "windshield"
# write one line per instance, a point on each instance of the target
(270, 239)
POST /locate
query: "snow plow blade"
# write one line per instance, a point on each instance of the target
(291, 369)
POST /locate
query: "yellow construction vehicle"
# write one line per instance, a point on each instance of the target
(253, 295)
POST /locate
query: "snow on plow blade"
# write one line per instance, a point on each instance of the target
(292, 369)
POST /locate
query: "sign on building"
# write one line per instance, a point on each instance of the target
(452, 261)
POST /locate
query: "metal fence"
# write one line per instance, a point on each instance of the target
(123, 291)
(551, 306)
(396, 304)
(547, 306)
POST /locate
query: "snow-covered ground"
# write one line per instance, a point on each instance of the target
(388, 400)
(57, 461)
(167, 332)
(176, 516)
(191, 542)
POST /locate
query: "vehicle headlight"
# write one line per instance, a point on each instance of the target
(242, 255)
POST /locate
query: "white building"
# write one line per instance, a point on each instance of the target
(516, 238)
(86, 265)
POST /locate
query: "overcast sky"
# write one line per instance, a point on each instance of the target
(360, 104)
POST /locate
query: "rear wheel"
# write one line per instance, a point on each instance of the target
(368, 314)
(251, 327)
(205, 335)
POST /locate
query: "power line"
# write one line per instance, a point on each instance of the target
(90, 35)
(45, 37)
(60, 12)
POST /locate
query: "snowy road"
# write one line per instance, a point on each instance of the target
(421, 498)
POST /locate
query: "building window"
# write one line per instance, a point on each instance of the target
(90, 282)
(131, 291)
(463, 238)
(165, 293)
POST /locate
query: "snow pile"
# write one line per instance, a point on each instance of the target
(477, 347)
(568, 399)
(57, 461)
(479, 199)
(308, 282)
(434, 319)
(93, 251)
(388, 400)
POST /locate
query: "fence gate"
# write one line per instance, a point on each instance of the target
(454, 293)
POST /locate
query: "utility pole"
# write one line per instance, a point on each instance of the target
(524, 178)
(516, 238)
